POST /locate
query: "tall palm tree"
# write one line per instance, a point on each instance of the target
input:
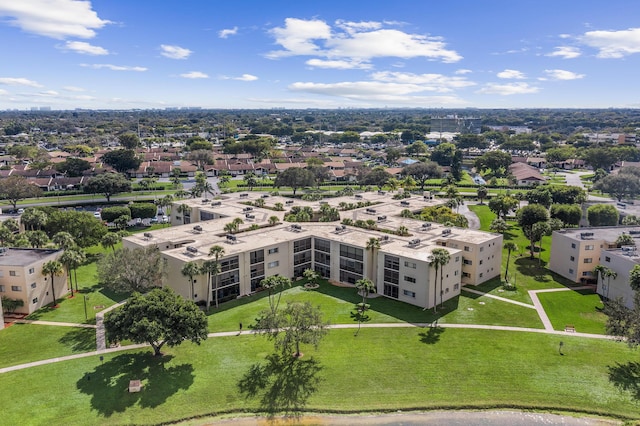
(364, 286)
(34, 218)
(110, 239)
(236, 224)
(217, 252)
(229, 228)
(190, 269)
(78, 259)
(64, 240)
(373, 244)
(37, 239)
(67, 260)
(607, 273)
(439, 258)
(510, 246)
(183, 209)
(52, 268)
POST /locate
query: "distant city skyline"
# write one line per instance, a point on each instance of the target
(116, 54)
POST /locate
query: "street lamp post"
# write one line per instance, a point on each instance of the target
(86, 297)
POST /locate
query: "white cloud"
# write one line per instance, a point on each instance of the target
(73, 89)
(243, 77)
(508, 89)
(85, 48)
(613, 44)
(338, 64)
(114, 67)
(228, 32)
(53, 18)
(511, 74)
(562, 75)
(297, 37)
(463, 71)
(566, 52)
(11, 81)
(194, 75)
(174, 52)
(3, 92)
(355, 41)
(428, 82)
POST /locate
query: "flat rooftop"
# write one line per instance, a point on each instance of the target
(23, 256)
(606, 233)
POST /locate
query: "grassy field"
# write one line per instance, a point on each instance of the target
(449, 368)
(584, 313)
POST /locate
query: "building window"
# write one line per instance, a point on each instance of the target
(273, 250)
(456, 286)
(481, 249)
(467, 248)
(481, 262)
(351, 252)
(570, 271)
(302, 245)
(322, 258)
(409, 293)
(12, 273)
(588, 260)
(466, 275)
(457, 258)
(34, 300)
(256, 256)
(455, 273)
(467, 262)
(573, 245)
(391, 276)
(589, 247)
(410, 265)
(571, 258)
(274, 264)
(480, 275)
(391, 290)
(33, 285)
(32, 271)
(409, 279)
(392, 262)
(322, 245)
(1, 289)
(16, 288)
(607, 259)
(587, 274)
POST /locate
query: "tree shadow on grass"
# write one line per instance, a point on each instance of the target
(80, 339)
(432, 336)
(626, 377)
(108, 383)
(284, 384)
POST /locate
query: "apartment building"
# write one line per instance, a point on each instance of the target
(576, 252)
(400, 268)
(21, 277)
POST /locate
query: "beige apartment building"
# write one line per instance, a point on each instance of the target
(576, 252)
(400, 268)
(21, 277)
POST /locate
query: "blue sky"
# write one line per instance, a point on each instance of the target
(121, 54)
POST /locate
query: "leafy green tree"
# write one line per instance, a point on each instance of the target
(600, 158)
(37, 239)
(73, 167)
(378, 176)
(159, 317)
(108, 184)
(10, 305)
(422, 172)
(64, 240)
(502, 205)
(85, 229)
(129, 140)
(470, 140)
(295, 178)
(625, 240)
(143, 210)
(392, 155)
(33, 218)
(110, 214)
(499, 225)
(250, 180)
(602, 215)
(619, 186)
(122, 160)
(622, 321)
(298, 323)
(496, 161)
(16, 188)
(540, 195)
(569, 214)
(482, 193)
(127, 270)
(528, 216)
(110, 240)
(53, 268)
(416, 148)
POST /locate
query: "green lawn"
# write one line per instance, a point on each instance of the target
(44, 342)
(584, 313)
(379, 370)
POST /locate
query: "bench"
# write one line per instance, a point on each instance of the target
(570, 328)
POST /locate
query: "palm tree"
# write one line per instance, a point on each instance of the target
(183, 209)
(34, 218)
(393, 184)
(229, 228)
(110, 239)
(510, 246)
(190, 269)
(364, 286)
(373, 244)
(67, 260)
(64, 240)
(217, 252)
(78, 259)
(37, 239)
(211, 268)
(403, 231)
(52, 268)
(250, 180)
(607, 273)
(273, 220)
(439, 258)
(310, 275)
(236, 224)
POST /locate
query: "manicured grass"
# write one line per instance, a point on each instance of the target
(580, 309)
(22, 343)
(379, 370)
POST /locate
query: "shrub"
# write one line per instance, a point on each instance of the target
(110, 214)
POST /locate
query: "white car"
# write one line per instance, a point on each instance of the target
(97, 215)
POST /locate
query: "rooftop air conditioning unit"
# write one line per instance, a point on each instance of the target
(426, 225)
(197, 228)
(216, 203)
(414, 242)
(192, 249)
(148, 235)
(231, 237)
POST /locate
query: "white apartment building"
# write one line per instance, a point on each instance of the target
(400, 268)
(576, 252)
(21, 277)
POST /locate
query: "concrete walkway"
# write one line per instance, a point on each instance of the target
(55, 323)
(101, 339)
(502, 299)
(541, 312)
(472, 218)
